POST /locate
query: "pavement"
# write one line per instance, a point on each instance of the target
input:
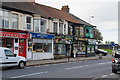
(64, 60)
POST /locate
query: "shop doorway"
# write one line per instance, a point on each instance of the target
(22, 47)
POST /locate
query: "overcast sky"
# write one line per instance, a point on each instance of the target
(105, 14)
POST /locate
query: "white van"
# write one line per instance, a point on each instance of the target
(9, 59)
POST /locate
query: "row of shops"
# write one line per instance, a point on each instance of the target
(34, 46)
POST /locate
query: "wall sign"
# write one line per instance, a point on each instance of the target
(63, 39)
(91, 41)
(40, 35)
(14, 35)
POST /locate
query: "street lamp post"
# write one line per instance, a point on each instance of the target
(90, 17)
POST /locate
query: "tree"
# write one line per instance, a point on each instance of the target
(98, 35)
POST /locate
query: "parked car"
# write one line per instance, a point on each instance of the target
(116, 62)
(101, 51)
(9, 59)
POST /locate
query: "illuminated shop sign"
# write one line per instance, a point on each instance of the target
(40, 35)
(14, 35)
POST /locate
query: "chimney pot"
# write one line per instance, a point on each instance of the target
(65, 8)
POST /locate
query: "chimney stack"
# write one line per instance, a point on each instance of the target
(65, 8)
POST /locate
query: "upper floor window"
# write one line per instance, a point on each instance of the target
(43, 25)
(28, 22)
(4, 19)
(70, 30)
(64, 28)
(60, 28)
(55, 27)
(37, 25)
(77, 31)
(1, 18)
(87, 30)
(14, 21)
(81, 32)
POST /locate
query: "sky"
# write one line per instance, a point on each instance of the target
(105, 14)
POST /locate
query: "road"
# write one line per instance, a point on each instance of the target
(79, 69)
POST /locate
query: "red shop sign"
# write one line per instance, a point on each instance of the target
(14, 35)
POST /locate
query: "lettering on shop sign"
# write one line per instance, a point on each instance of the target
(14, 35)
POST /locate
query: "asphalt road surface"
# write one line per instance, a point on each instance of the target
(79, 69)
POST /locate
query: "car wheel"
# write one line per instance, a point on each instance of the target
(21, 65)
(114, 71)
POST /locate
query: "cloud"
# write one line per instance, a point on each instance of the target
(105, 13)
(108, 25)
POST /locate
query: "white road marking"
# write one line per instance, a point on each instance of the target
(104, 76)
(86, 65)
(111, 74)
(62, 63)
(34, 74)
(109, 62)
(101, 63)
(73, 67)
(105, 63)
(29, 74)
(18, 76)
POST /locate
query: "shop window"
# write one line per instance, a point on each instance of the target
(60, 28)
(14, 21)
(9, 53)
(2, 42)
(42, 47)
(9, 43)
(36, 25)
(22, 41)
(43, 25)
(28, 22)
(55, 27)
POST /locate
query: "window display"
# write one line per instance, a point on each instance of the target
(42, 47)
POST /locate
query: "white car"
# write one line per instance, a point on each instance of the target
(9, 59)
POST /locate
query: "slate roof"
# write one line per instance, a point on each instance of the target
(44, 11)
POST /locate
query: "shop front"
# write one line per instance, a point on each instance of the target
(79, 46)
(62, 46)
(91, 47)
(16, 42)
(40, 46)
